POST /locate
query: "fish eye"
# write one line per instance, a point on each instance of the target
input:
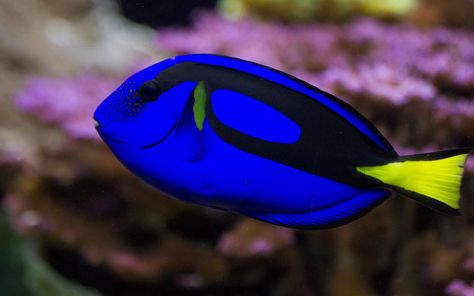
(149, 91)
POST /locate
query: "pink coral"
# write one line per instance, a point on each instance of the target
(253, 238)
(459, 288)
(67, 102)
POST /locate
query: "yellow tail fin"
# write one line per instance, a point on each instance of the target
(433, 179)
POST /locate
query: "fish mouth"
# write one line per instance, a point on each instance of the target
(104, 135)
(108, 138)
(101, 129)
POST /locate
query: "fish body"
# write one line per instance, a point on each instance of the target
(231, 134)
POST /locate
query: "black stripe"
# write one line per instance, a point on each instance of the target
(305, 84)
(428, 202)
(329, 146)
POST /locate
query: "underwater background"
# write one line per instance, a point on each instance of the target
(73, 221)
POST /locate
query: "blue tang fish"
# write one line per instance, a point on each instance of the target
(231, 134)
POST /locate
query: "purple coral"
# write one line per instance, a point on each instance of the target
(459, 288)
(378, 81)
(67, 102)
(253, 238)
(267, 43)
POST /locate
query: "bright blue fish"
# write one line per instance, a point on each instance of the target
(231, 134)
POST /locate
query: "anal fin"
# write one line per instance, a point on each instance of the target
(335, 215)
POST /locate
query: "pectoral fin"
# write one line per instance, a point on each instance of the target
(189, 144)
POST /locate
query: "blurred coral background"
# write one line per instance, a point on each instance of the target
(75, 222)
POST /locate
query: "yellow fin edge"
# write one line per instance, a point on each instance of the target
(438, 179)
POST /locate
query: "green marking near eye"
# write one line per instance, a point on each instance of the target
(199, 107)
